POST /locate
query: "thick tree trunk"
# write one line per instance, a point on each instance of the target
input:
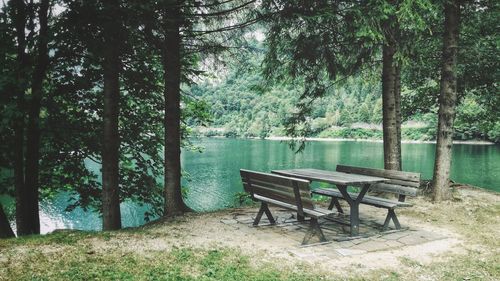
(390, 102)
(22, 201)
(174, 204)
(111, 217)
(5, 229)
(447, 102)
(391, 95)
(33, 128)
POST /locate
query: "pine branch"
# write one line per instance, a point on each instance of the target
(221, 13)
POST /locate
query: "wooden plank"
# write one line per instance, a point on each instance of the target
(335, 174)
(332, 177)
(282, 196)
(304, 189)
(246, 187)
(391, 174)
(394, 188)
(275, 179)
(277, 187)
(405, 183)
(368, 200)
(311, 212)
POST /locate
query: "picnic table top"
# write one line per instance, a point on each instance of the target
(332, 177)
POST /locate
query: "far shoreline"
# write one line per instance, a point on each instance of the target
(315, 139)
(475, 142)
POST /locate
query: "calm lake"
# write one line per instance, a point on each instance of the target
(214, 174)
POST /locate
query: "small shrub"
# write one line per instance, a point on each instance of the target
(242, 199)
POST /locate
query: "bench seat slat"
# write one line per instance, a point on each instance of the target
(368, 200)
(316, 213)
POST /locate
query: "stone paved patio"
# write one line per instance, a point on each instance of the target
(288, 229)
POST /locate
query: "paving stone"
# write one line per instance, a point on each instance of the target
(396, 235)
(293, 232)
(431, 235)
(245, 221)
(349, 252)
(345, 244)
(371, 246)
(380, 239)
(393, 244)
(412, 240)
(359, 241)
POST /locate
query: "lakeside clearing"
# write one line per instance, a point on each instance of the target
(208, 246)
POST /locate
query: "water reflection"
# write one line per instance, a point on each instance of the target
(214, 174)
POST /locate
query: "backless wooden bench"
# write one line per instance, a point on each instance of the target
(401, 183)
(289, 193)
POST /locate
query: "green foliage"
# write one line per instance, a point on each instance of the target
(352, 133)
(242, 199)
(71, 114)
(494, 133)
(244, 105)
(477, 72)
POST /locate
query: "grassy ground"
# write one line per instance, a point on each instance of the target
(74, 255)
(65, 256)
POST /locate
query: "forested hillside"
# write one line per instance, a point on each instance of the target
(243, 103)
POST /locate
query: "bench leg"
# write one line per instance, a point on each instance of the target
(263, 209)
(314, 230)
(335, 203)
(391, 215)
(300, 218)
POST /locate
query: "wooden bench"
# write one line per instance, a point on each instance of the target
(401, 183)
(289, 193)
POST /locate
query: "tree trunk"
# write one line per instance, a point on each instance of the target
(391, 94)
(5, 229)
(22, 201)
(33, 127)
(447, 102)
(390, 102)
(171, 53)
(397, 98)
(111, 217)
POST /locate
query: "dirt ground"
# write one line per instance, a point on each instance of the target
(445, 234)
(451, 234)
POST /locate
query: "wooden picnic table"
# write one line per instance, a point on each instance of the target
(341, 180)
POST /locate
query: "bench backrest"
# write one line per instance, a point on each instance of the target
(284, 189)
(402, 183)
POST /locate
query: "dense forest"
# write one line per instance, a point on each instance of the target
(243, 104)
(125, 83)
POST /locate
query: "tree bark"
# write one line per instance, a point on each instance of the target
(5, 229)
(447, 102)
(171, 53)
(33, 126)
(111, 216)
(22, 202)
(397, 97)
(391, 123)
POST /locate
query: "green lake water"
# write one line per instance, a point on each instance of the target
(214, 174)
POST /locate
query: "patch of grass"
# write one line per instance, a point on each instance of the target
(62, 237)
(74, 262)
(73, 255)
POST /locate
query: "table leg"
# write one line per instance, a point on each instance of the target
(354, 206)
